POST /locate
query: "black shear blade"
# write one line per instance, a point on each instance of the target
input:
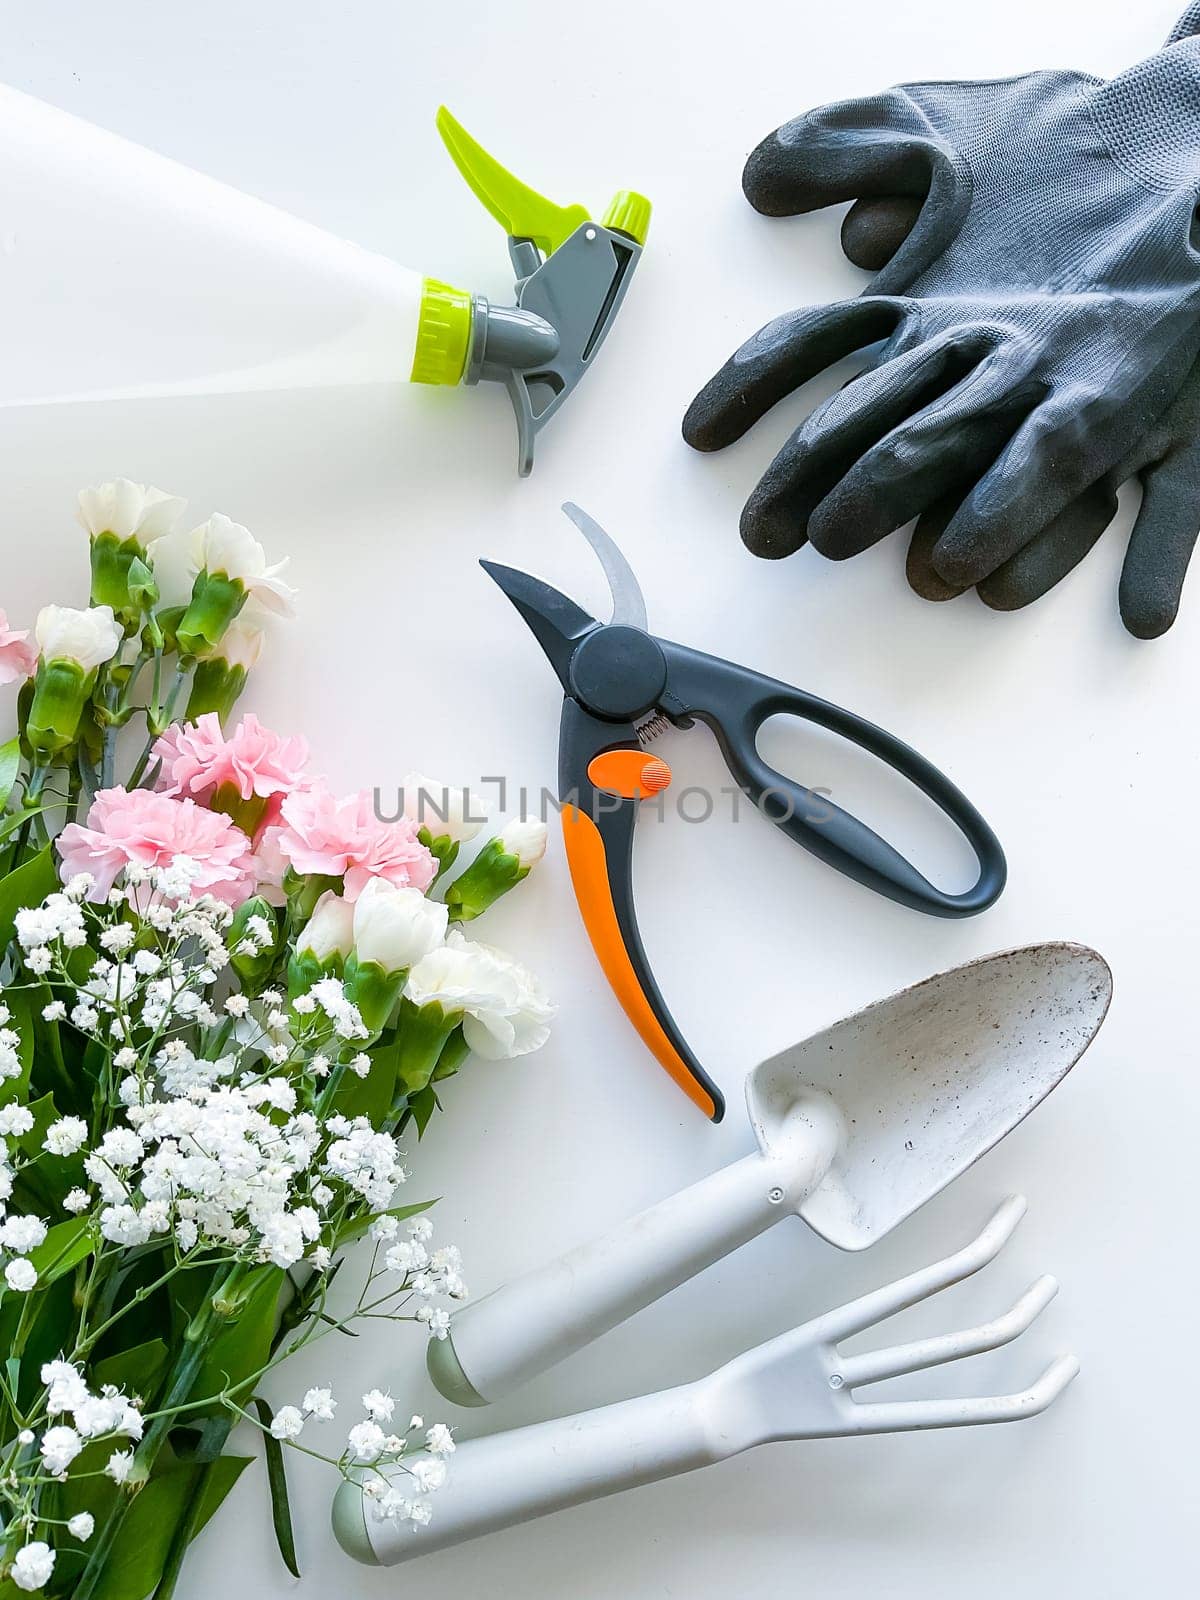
(556, 623)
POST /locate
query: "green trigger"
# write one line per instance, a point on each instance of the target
(520, 210)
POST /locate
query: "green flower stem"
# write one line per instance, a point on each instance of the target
(184, 1374)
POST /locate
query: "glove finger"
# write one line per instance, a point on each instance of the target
(873, 230)
(1188, 24)
(781, 357)
(876, 148)
(1052, 554)
(975, 402)
(1050, 460)
(1161, 544)
(922, 575)
(879, 144)
(827, 445)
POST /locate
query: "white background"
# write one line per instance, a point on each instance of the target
(1077, 741)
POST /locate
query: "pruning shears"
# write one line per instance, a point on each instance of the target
(622, 685)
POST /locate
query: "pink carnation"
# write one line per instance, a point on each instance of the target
(18, 657)
(345, 839)
(144, 829)
(198, 758)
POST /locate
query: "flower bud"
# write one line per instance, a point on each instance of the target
(446, 817)
(328, 934)
(230, 566)
(73, 644)
(396, 927)
(124, 519)
(498, 867)
(221, 676)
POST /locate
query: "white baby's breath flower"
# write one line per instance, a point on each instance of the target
(365, 1441)
(287, 1423)
(66, 1136)
(437, 1322)
(76, 1200)
(65, 1388)
(378, 1405)
(429, 1473)
(33, 1566)
(439, 1441)
(15, 1119)
(319, 1403)
(20, 1275)
(89, 638)
(129, 510)
(119, 1465)
(56, 1011)
(22, 1234)
(60, 1445)
(81, 1526)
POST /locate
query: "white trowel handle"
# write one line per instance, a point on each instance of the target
(503, 1340)
(512, 1477)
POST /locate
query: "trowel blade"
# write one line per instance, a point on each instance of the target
(928, 1080)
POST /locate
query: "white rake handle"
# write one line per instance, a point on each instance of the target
(510, 1478)
(502, 1341)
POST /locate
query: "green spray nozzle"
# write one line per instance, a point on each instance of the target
(571, 277)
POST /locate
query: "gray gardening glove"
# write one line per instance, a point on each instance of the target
(1053, 313)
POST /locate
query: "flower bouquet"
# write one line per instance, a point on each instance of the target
(227, 992)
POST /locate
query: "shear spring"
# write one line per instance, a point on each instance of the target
(656, 723)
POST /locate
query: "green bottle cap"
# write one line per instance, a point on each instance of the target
(629, 212)
(443, 334)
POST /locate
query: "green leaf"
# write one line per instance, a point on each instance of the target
(28, 885)
(369, 1097)
(354, 1227)
(243, 1347)
(10, 767)
(16, 820)
(139, 1553)
(422, 1105)
(64, 1247)
(135, 1371)
(281, 1511)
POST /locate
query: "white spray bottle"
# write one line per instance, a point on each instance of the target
(124, 275)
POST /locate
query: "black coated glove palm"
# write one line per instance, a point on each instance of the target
(1053, 310)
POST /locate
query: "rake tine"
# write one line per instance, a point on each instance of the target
(905, 1416)
(876, 1365)
(893, 1297)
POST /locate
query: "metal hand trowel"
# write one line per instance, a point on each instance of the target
(857, 1126)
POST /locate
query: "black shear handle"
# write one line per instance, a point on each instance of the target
(735, 702)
